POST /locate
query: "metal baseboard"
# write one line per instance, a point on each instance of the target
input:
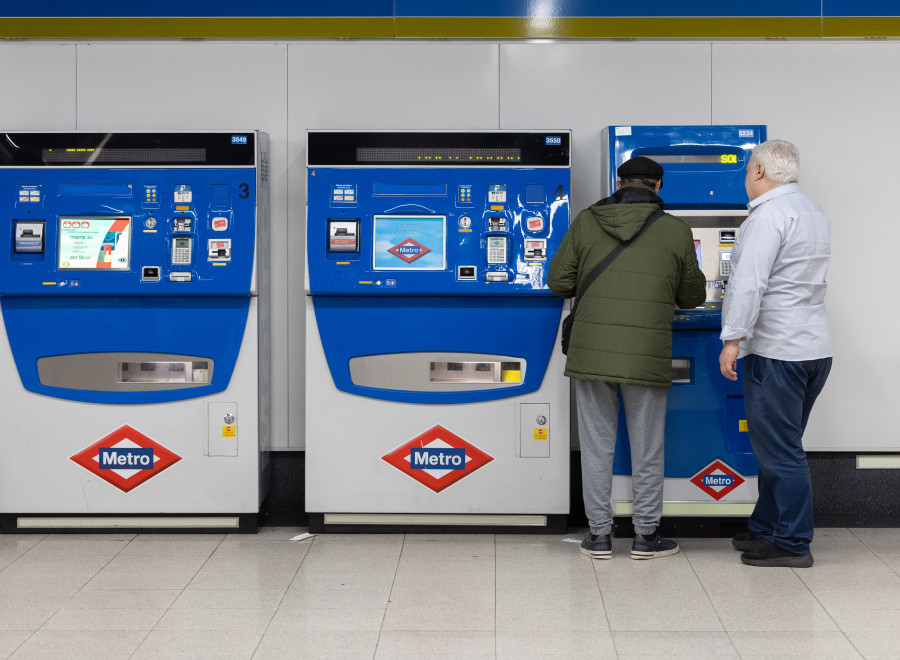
(154, 524)
(412, 523)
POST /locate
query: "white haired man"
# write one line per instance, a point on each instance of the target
(774, 318)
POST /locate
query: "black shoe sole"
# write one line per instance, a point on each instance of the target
(654, 554)
(596, 554)
(802, 561)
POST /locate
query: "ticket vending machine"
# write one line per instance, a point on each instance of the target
(710, 468)
(436, 395)
(134, 346)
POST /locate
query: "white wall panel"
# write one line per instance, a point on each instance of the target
(37, 85)
(585, 87)
(203, 86)
(359, 86)
(838, 103)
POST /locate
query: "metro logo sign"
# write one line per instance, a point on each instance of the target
(437, 458)
(409, 250)
(717, 479)
(126, 458)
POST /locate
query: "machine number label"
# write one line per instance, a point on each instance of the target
(245, 191)
(553, 139)
(559, 193)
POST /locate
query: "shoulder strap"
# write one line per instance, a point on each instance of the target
(599, 268)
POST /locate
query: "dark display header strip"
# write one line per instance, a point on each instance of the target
(548, 149)
(132, 149)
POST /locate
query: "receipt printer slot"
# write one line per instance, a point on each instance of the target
(29, 236)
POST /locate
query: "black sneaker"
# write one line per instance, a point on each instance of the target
(746, 542)
(653, 546)
(770, 554)
(597, 546)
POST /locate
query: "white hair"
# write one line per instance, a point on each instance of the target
(781, 160)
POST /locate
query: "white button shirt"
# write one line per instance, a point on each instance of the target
(775, 297)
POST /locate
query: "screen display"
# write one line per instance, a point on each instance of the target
(496, 242)
(410, 242)
(697, 250)
(693, 159)
(726, 256)
(94, 243)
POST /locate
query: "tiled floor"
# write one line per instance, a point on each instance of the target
(148, 596)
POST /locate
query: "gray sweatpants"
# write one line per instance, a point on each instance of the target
(598, 421)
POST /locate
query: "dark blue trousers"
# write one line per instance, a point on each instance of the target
(779, 396)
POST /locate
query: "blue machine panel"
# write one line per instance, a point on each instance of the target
(436, 254)
(704, 165)
(704, 171)
(127, 243)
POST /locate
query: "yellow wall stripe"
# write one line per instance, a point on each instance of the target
(608, 28)
(868, 26)
(196, 28)
(447, 27)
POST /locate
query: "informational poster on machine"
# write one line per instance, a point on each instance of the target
(410, 242)
(94, 243)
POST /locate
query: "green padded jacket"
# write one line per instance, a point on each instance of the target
(623, 327)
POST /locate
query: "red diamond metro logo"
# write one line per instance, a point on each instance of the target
(437, 458)
(717, 479)
(409, 250)
(126, 458)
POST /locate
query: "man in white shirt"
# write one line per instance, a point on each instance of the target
(774, 318)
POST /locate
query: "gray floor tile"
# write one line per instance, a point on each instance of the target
(336, 620)
(669, 644)
(213, 599)
(86, 644)
(237, 620)
(636, 611)
(25, 618)
(431, 643)
(533, 619)
(571, 644)
(871, 644)
(427, 613)
(257, 578)
(123, 599)
(775, 612)
(317, 644)
(74, 618)
(757, 644)
(10, 640)
(197, 644)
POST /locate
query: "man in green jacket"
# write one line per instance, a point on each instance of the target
(621, 345)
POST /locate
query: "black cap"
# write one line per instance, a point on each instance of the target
(640, 167)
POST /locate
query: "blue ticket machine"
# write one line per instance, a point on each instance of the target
(133, 348)
(435, 388)
(710, 468)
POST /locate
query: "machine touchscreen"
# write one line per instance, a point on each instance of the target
(94, 243)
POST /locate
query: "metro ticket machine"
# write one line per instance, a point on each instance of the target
(134, 346)
(435, 388)
(710, 468)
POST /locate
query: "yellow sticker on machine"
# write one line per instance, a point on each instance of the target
(229, 431)
(540, 434)
(742, 425)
